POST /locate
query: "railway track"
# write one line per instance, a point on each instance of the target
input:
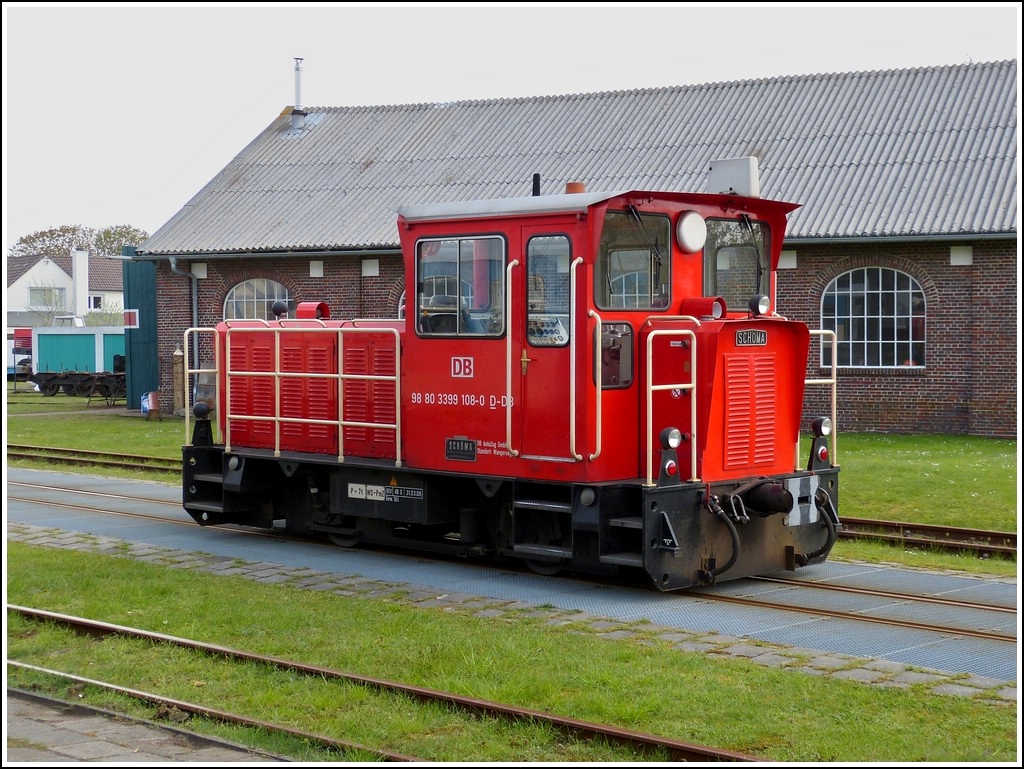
(82, 458)
(640, 743)
(965, 619)
(904, 534)
(890, 594)
(951, 538)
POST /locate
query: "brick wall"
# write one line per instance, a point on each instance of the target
(969, 385)
(347, 293)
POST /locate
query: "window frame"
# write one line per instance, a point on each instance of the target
(879, 315)
(267, 301)
(548, 260)
(648, 249)
(472, 313)
(733, 257)
(54, 297)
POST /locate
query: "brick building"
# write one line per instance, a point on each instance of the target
(905, 242)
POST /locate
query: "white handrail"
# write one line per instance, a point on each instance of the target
(651, 388)
(277, 375)
(573, 331)
(508, 357)
(830, 381)
(397, 378)
(189, 372)
(600, 384)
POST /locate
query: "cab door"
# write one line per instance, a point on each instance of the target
(545, 339)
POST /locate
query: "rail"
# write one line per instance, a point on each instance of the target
(223, 399)
(675, 750)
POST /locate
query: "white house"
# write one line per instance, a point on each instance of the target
(40, 286)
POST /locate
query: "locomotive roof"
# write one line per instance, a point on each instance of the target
(568, 203)
(538, 204)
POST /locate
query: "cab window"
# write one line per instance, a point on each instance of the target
(547, 291)
(736, 263)
(634, 264)
(460, 286)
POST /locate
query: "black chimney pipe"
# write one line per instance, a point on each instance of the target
(536, 185)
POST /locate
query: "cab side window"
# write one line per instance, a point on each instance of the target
(460, 287)
(547, 291)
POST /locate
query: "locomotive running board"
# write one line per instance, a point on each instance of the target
(623, 559)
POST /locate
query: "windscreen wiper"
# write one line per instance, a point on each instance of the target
(653, 245)
(761, 269)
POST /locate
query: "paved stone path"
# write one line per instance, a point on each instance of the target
(38, 732)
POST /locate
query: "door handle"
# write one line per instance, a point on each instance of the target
(524, 360)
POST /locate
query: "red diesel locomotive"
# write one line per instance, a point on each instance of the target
(591, 381)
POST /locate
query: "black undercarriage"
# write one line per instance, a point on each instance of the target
(682, 535)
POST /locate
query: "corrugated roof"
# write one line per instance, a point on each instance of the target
(900, 153)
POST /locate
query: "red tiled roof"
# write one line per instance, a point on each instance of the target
(104, 273)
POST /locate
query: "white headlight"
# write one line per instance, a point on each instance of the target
(691, 232)
(671, 438)
(822, 426)
(759, 304)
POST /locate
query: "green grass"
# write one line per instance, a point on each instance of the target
(113, 430)
(940, 479)
(66, 421)
(645, 684)
(25, 400)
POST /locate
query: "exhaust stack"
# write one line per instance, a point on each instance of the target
(298, 114)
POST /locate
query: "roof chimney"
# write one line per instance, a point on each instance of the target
(298, 114)
(80, 280)
(572, 188)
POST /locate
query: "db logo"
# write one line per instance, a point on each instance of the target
(462, 367)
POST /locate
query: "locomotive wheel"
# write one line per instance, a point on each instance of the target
(49, 390)
(341, 540)
(545, 568)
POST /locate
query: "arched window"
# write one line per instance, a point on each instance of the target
(630, 289)
(878, 315)
(254, 298)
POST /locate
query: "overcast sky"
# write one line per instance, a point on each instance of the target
(118, 113)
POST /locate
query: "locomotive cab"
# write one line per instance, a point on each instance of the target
(592, 381)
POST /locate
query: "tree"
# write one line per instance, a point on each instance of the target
(109, 241)
(59, 241)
